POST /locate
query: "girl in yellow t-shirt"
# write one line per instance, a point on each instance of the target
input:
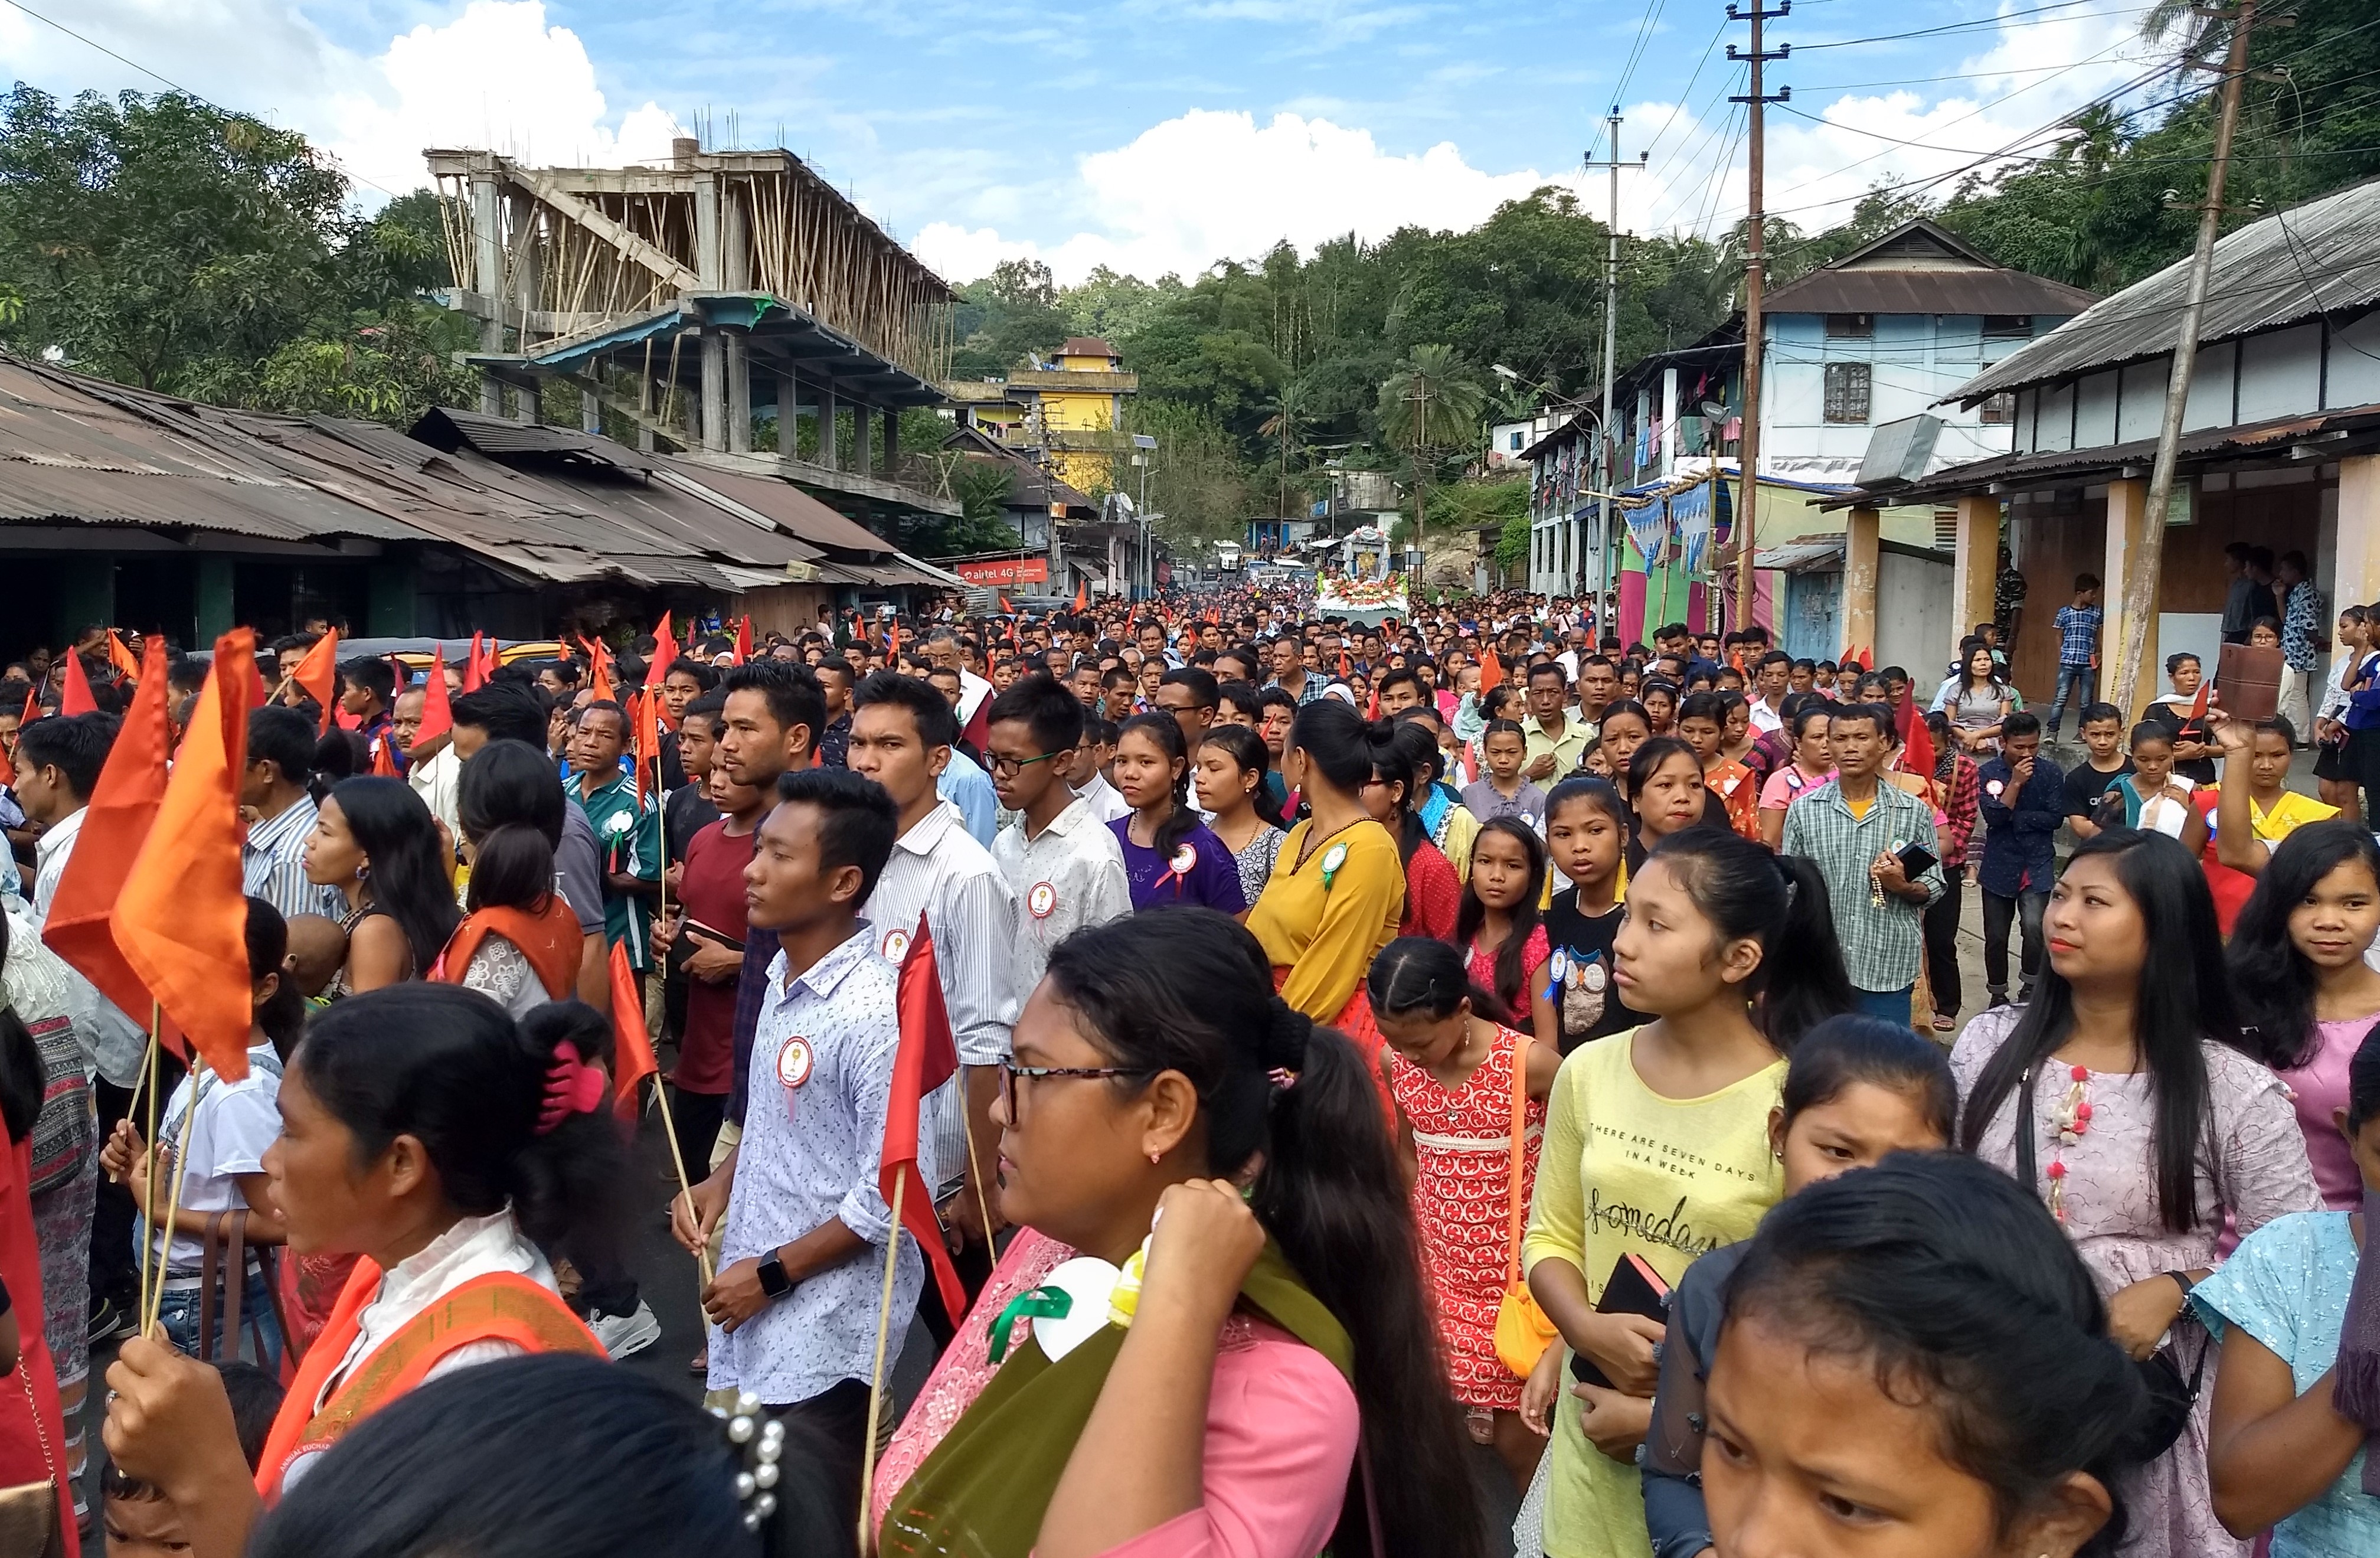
(1656, 1139)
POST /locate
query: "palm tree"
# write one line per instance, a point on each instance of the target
(1430, 401)
(1287, 423)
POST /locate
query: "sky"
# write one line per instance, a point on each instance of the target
(1150, 138)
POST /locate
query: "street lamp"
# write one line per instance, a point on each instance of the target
(1143, 445)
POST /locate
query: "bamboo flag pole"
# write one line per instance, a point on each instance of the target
(148, 1079)
(660, 1089)
(174, 1199)
(875, 1375)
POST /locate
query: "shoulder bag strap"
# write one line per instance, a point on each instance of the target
(234, 1279)
(1519, 1127)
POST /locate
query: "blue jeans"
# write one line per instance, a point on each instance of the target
(2069, 678)
(177, 1309)
(1892, 1005)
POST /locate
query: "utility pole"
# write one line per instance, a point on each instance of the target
(1755, 268)
(1600, 469)
(2141, 577)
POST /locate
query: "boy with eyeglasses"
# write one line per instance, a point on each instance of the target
(1063, 866)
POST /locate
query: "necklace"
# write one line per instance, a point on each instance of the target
(2070, 1120)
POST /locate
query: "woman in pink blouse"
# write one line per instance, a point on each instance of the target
(1214, 1295)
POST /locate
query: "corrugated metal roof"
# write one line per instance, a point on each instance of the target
(1950, 291)
(442, 426)
(786, 505)
(2318, 257)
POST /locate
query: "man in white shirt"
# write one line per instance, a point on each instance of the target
(901, 735)
(1769, 679)
(793, 1311)
(942, 649)
(1062, 865)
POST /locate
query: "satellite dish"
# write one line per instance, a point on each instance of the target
(1713, 411)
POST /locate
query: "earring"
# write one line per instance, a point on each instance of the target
(1154, 1157)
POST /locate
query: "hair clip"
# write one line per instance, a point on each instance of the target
(761, 1444)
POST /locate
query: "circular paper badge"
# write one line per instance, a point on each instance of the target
(1041, 900)
(1559, 964)
(1333, 859)
(1993, 789)
(794, 1062)
(896, 945)
(1184, 859)
(1593, 977)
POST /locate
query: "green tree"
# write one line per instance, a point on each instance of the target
(1431, 402)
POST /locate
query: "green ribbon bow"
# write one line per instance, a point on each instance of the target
(1042, 1303)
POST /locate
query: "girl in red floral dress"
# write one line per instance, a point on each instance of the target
(1499, 926)
(1450, 1065)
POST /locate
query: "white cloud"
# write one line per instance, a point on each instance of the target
(495, 76)
(1208, 186)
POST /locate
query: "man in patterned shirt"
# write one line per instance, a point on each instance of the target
(2078, 649)
(2301, 642)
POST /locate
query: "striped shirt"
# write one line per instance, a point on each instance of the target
(1881, 943)
(272, 864)
(940, 872)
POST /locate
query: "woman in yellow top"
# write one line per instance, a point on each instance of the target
(1337, 885)
(1656, 1139)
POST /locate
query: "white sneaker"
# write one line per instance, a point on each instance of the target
(622, 1335)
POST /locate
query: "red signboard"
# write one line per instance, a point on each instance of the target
(1015, 570)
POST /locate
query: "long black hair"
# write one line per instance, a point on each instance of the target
(1179, 823)
(1246, 750)
(1779, 901)
(407, 870)
(2272, 979)
(1400, 753)
(449, 1066)
(1854, 1048)
(566, 1454)
(1190, 990)
(1952, 1280)
(2184, 1000)
(1337, 742)
(1423, 974)
(1511, 972)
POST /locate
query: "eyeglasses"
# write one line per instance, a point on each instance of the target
(1009, 768)
(1010, 1072)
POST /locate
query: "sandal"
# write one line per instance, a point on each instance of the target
(1943, 1024)
(700, 1363)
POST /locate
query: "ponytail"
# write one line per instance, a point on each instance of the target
(1779, 901)
(1423, 976)
(1166, 731)
(283, 1015)
(1190, 990)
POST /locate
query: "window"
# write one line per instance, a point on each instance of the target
(1847, 327)
(2000, 411)
(1847, 388)
(1516, 444)
(2008, 327)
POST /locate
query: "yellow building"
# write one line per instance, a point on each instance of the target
(1065, 415)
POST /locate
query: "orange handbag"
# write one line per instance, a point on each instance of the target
(1523, 1331)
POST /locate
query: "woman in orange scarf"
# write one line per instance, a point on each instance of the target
(429, 1134)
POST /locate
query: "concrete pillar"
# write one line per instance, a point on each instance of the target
(487, 279)
(737, 365)
(1669, 423)
(2356, 559)
(1861, 528)
(714, 390)
(211, 612)
(527, 285)
(892, 443)
(859, 427)
(590, 413)
(1977, 567)
(2128, 505)
(828, 414)
(735, 276)
(789, 421)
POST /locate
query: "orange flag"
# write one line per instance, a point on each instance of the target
(1083, 594)
(1491, 671)
(603, 688)
(120, 654)
(33, 709)
(181, 920)
(475, 675)
(7, 768)
(665, 655)
(437, 709)
(383, 761)
(743, 642)
(122, 806)
(77, 698)
(632, 1047)
(647, 735)
(318, 672)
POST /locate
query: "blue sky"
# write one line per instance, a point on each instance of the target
(1149, 137)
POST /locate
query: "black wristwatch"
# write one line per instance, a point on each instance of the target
(773, 1281)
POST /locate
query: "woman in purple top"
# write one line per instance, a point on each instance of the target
(1170, 856)
(2306, 995)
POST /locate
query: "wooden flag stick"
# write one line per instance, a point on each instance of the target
(148, 1079)
(174, 1197)
(875, 1375)
(974, 1166)
(684, 1186)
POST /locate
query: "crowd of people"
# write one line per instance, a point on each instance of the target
(1396, 1075)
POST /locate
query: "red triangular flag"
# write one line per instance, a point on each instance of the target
(1083, 593)
(318, 672)
(602, 687)
(647, 732)
(383, 760)
(2198, 704)
(665, 653)
(927, 1058)
(181, 920)
(1917, 742)
(77, 698)
(475, 675)
(979, 726)
(632, 1047)
(7, 768)
(437, 710)
(119, 655)
(743, 642)
(33, 709)
(123, 805)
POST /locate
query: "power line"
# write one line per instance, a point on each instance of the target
(1979, 25)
